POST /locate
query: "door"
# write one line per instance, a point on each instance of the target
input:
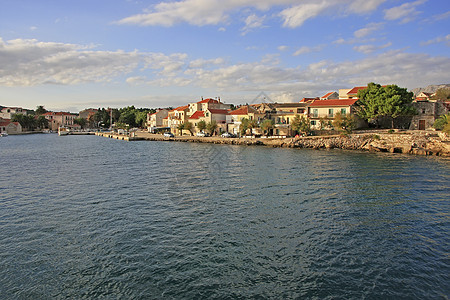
(421, 124)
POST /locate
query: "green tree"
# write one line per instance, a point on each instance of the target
(442, 94)
(40, 110)
(389, 101)
(41, 122)
(180, 127)
(128, 117)
(201, 125)
(80, 121)
(188, 126)
(295, 124)
(251, 125)
(324, 122)
(243, 126)
(344, 123)
(211, 127)
(140, 118)
(266, 125)
(27, 122)
(440, 123)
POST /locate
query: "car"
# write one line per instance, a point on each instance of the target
(168, 134)
(201, 133)
(227, 135)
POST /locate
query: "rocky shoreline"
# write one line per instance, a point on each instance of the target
(408, 142)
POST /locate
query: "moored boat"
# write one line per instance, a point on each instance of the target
(63, 131)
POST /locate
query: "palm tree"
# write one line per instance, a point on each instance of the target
(252, 124)
(201, 125)
(180, 127)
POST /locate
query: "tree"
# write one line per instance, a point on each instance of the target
(26, 121)
(440, 123)
(244, 126)
(344, 123)
(442, 94)
(180, 128)
(40, 110)
(41, 122)
(201, 125)
(188, 126)
(252, 124)
(266, 125)
(128, 117)
(301, 124)
(140, 118)
(211, 127)
(383, 101)
(80, 121)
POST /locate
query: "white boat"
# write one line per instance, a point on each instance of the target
(63, 131)
(3, 134)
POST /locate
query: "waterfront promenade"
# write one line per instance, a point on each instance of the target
(407, 142)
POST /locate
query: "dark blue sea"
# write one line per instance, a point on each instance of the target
(86, 217)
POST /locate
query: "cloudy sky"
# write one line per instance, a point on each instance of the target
(70, 55)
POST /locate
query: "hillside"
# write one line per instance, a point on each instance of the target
(430, 89)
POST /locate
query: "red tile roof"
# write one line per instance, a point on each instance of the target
(355, 90)
(333, 102)
(218, 111)
(209, 100)
(244, 110)
(327, 95)
(197, 115)
(308, 99)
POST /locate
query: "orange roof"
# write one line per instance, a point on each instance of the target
(333, 102)
(308, 99)
(327, 95)
(244, 110)
(218, 111)
(209, 100)
(197, 115)
(355, 90)
(180, 108)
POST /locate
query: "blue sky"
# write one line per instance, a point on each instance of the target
(70, 55)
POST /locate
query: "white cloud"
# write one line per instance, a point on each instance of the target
(306, 49)
(406, 12)
(440, 39)
(371, 27)
(283, 48)
(252, 22)
(367, 49)
(214, 12)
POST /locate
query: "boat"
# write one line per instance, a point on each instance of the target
(3, 134)
(63, 131)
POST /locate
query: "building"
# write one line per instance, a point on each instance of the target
(329, 96)
(9, 112)
(423, 96)
(156, 119)
(234, 118)
(6, 126)
(427, 113)
(60, 119)
(325, 110)
(175, 117)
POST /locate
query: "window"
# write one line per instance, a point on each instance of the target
(313, 123)
(315, 113)
(287, 120)
(207, 114)
(330, 113)
(343, 111)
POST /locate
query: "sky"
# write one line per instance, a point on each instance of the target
(70, 55)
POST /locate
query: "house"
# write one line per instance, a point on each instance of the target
(427, 113)
(423, 96)
(325, 110)
(205, 104)
(209, 115)
(9, 112)
(175, 117)
(87, 113)
(58, 119)
(329, 96)
(155, 120)
(284, 115)
(350, 93)
(234, 118)
(308, 100)
(6, 126)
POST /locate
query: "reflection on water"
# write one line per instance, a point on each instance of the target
(89, 217)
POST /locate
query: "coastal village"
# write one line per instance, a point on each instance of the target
(211, 116)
